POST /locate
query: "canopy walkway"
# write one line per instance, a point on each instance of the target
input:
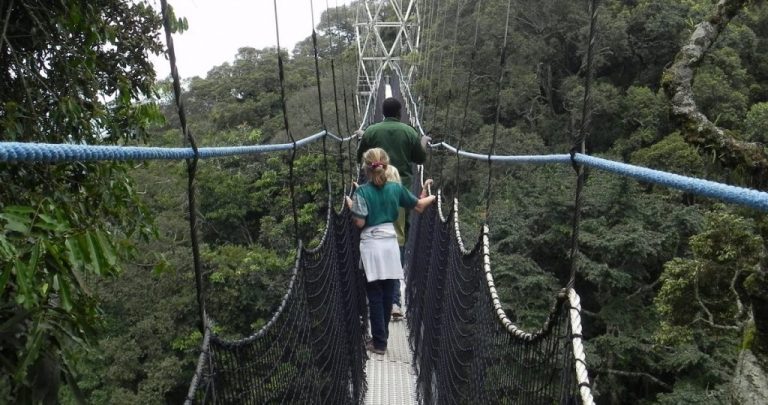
(457, 345)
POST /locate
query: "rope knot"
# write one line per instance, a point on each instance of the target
(574, 150)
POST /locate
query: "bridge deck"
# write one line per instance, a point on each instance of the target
(390, 376)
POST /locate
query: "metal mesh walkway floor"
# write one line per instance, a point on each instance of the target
(390, 376)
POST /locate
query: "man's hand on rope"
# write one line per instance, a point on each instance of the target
(359, 133)
(425, 140)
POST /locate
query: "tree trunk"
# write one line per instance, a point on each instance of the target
(750, 383)
(697, 129)
(731, 152)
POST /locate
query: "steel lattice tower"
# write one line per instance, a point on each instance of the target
(388, 36)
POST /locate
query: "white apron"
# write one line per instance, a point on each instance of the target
(380, 253)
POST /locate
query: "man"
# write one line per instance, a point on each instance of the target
(403, 145)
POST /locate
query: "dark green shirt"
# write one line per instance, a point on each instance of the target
(400, 141)
(380, 205)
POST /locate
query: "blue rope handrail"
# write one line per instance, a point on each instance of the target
(47, 152)
(707, 188)
(44, 152)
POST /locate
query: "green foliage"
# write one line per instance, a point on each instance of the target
(692, 291)
(671, 154)
(756, 123)
(64, 224)
(700, 303)
(65, 227)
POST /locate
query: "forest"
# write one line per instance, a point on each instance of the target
(98, 297)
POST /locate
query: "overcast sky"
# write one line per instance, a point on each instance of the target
(217, 28)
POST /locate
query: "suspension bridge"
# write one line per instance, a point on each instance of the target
(458, 344)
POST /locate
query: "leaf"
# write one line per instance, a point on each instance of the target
(74, 253)
(106, 248)
(7, 251)
(16, 222)
(50, 224)
(23, 282)
(65, 295)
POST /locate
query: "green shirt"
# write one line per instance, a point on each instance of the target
(380, 205)
(400, 141)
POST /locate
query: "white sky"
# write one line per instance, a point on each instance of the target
(217, 28)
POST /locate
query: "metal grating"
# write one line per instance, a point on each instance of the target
(391, 380)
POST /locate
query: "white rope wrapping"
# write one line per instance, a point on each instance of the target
(582, 376)
(511, 327)
(440, 205)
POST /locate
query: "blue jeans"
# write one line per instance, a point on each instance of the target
(380, 310)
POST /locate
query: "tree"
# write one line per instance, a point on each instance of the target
(71, 72)
(733, 153)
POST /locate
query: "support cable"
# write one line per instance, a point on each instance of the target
(579, 145)
(502, 63)
(436, 88)
(471, 73)
(340, 162)
(320, 97)
(281, 76)
(582, 375)
(191, 164)
(344, 95)
(429, 70)
(450, 79)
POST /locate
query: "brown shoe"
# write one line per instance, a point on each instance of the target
(369, 346)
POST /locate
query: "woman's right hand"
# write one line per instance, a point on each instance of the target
(423, 203)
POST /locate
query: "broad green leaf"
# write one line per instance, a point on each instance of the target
(106, 249)
(74, 252)
(7, 251)
(25, 296)
(65, 294)
(93, 253)
(19, 210)
(15, 222)
(49, 223)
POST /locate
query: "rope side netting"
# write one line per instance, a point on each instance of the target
(312, 350)
(465, 348)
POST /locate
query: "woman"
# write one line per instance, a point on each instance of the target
(375, 209)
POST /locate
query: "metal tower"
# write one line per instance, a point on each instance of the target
(387, 32)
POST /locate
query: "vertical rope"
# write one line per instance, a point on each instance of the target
(320, 99)
(434, 10)
(580, 143)
(471, 73)
(191, 164)
(450, 80)
(281, 77)
(344, 96)
(439, 62)
(343, 75)
(340, 162)
(502, 63)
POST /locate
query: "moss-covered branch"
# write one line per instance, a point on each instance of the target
(698, 130)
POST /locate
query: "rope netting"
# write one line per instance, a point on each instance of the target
(465, 348)
(312, 350)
